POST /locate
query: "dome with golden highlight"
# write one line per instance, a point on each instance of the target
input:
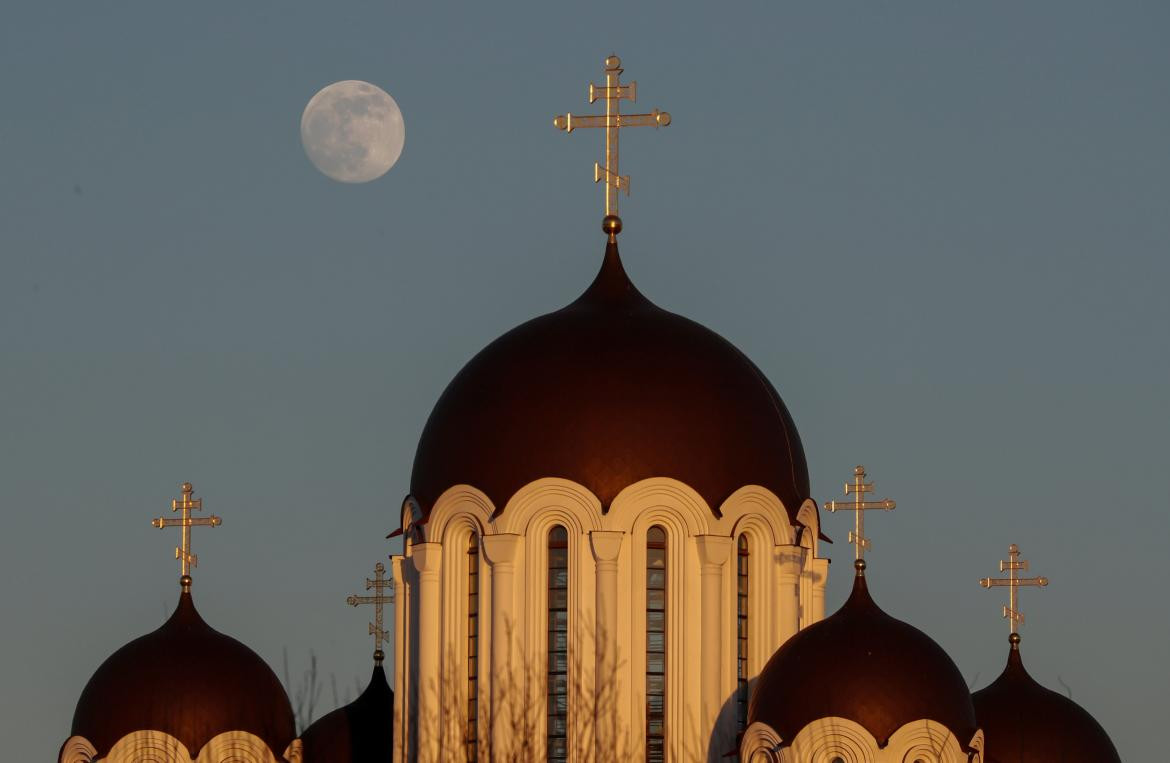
(188, 681)
(1027, 723)
(606, 392)
(867, 667)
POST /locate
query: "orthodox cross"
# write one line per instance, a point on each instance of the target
(185, 522)
(858, 488)
(1014, 582)
(379, 584)
(613, 92)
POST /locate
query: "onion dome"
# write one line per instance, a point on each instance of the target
(186, 680)
(1024, 722)
(608, 391)
(358, 732)
(865, 666)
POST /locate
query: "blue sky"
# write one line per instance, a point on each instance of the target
(940, 229)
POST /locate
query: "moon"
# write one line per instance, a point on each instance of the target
(352, 131)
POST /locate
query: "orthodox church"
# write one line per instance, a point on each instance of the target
(610, 553)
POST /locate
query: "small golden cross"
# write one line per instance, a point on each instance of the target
(613, 92)
(186, 505)
(379, 584)
(1013, 582)
(858, 488)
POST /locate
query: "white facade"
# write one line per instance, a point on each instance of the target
(606, 614)
(840, 740)
(149, 746)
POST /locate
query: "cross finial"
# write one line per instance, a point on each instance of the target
(1013, 565)
(185, 522)
(613, 93)
(858, 488)
(379, 584)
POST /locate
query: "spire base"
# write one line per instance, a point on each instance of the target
(612, 225)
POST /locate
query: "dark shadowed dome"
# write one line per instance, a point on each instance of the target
(188, 680)
(606, 392)
(358, 732)
(865, 666)
(1023, 722)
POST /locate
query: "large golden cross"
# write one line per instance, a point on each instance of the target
(1013, 565)
(379, 584)
(186, 505)
(613, 92)
(858, 488)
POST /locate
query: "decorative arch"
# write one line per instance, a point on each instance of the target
(670, 497)
(455, 502)
(152, 746)
(766, 509)
(77, 749)
(148, 747)
(235, 747)
(678, 510)
(826, 739)
(574, 501)
(460, 522)
(930, 742)
(760, 744)
(976, 746)
(532, 513)
(809, 517)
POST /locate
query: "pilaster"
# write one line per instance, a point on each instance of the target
(786, 605)
(427, 558)
(713, 552)
(500, 551)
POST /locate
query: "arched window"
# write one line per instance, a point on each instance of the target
(741, 632)
(472, 737)
(655, 644)
(558, 645)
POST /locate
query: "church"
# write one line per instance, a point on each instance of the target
(610, 553)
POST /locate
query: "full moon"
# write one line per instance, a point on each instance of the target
(352, 131)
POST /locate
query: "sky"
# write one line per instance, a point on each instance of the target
(941, 229)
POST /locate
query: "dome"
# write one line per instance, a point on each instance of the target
(608, 391)
(1024, 722)
(360, 731)
(187, 680)
(865, 666)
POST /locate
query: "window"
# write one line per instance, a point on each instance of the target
(655, 644)
(472, 738)
(558, 645)
(741, 633)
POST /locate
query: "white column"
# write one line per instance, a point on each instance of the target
(786, 603)
(398, 680)
(426, 558)
(500, 550)
(820, 576)
(606, 544)
(713, 551)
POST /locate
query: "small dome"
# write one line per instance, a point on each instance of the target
(865, 666)
(1023, 722)
(187, 680)
(606, 392)
(358, 732)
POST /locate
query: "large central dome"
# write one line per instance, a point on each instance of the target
(608, 391)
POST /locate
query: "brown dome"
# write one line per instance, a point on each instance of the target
(865, 666)
(188, 680)
(606, 392)
(358, 732)
(1023, 722)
